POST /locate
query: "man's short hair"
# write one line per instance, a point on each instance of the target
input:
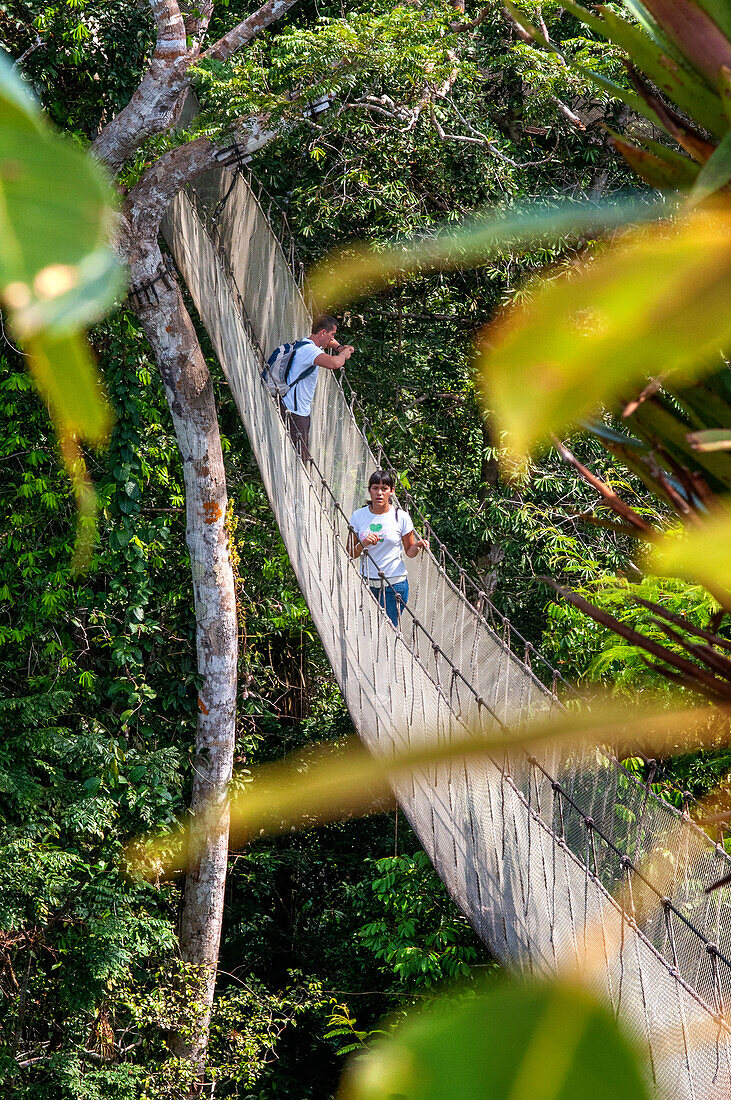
(324, 321)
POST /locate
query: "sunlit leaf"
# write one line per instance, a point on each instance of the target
(512, 1042)
(666, 170)
(712, 439)
(657, 299)
(331, 782)
(699, 554)
(66, 375)
(57, 272)
(357, 270)
(715, 173)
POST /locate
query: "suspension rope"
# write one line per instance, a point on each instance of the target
(450, 684)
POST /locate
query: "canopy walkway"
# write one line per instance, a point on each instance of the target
(534, 851)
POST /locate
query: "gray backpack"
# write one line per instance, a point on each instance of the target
(277, 372)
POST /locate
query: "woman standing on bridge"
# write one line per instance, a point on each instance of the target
(383, 531)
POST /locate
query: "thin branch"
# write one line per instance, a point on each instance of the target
(31, 49)
(568, 113)
(492, 148)
(610, 497)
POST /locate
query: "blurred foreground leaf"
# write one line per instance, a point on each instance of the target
(357, 270)
(655, 301)
(330, 782)
(517, 1042)
(57, 271)
(700, 554)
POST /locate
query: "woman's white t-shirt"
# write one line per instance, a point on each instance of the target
(385, 555)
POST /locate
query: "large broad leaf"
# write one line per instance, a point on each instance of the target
(720, 13)
(329, 782)
(700, 38)
(681, 84)
(701, 554)
(715, 173)
(64, 370)
(655, 301)
(513, 1042)
(57, 272)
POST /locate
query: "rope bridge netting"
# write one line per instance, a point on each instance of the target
(535, 851)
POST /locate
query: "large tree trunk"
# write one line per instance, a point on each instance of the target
(189, 391)
(153, 109)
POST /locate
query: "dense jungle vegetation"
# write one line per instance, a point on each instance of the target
(324, 931)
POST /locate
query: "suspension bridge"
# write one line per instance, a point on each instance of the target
(536, 851)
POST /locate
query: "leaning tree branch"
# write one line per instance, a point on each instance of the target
(611, 499)
(170, 43)
(147, 202)
(152, 108)
(243, 32)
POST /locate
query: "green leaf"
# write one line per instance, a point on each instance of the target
(57, 272)
(357, 270)
(683, 86)
(715, 173)
(328, 782)
(66, 375)
(657, 299)
(653, 30)
(701, 554)
(526, 1042)
(724, 84)
(712, 439)
(666, 170)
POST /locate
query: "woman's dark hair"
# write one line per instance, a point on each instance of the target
(381, 477)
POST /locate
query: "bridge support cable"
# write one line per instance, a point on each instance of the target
(531, 850)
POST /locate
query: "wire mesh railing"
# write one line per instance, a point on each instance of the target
(533, 849)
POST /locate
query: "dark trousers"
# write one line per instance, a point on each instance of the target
(299, 430)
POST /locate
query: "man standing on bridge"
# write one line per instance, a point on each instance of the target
(309, 355)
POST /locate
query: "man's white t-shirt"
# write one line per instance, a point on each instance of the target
(385, 555)
(298, 399)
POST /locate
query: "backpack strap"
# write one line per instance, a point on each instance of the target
(293, 388)
(300, 377)
(295, 348)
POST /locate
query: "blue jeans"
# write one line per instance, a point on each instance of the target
(392, 596)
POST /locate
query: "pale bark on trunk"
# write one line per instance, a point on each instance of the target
(189, 391)
(153, 109)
